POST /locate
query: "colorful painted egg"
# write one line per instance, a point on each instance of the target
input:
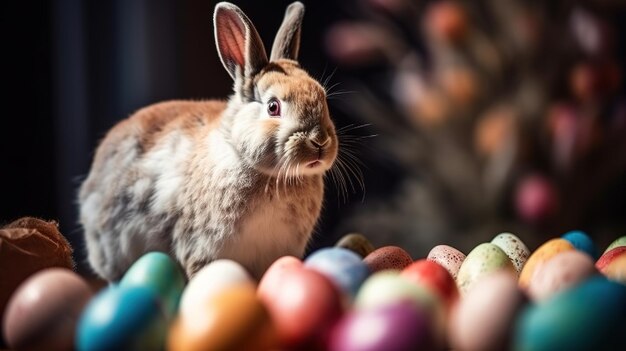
(357, 243)
(158, 271)
(609, 256)
(388, 257)
(582, 242)
(559, 273)
(483, 259)
(616, 269)
(211, 280)
(514, 247)
(123, 318)
(433, 276)
(545, 252)
(448, 257)
(590, 316)
(232, 319)
(342, 266)
(42, 313)
(483, 319)
(400, 326)
(621, 241)
(303, 304)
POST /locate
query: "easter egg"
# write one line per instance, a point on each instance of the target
(211, 280)
(42, 312)
(448, 257)
(232, 319)
(356, 242)
(514, 247)
(303, 304)
(274, 275)
(389, 287)
(581, 241)
(483, 259)
(433, 276)
(483, 319)
(621, 241)
(609, 256)
(536, 198)
(122, 318)
(560, 273)
(589, 316)
(545, 252)
(399, 326)
(157, 271)
(388, 257)
(616, 269)
(343, 267)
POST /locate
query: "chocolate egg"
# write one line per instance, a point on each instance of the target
(582, 242)
(433, 276)
(343, 267)
(303, 304)
(483, 259)
(356, 242)
(560, 273)
(514, 247)
(621, 241)
(545, 252)
(43, 312)
(211, 280)
(232, 319)
(158, 271)
(122, 318)
(448, 257)
(388, 257)
(483, 319)
(589, 316)
(400, 326)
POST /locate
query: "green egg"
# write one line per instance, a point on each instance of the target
(590, 316)
(483, 259)
(158, 271)
(621, 241)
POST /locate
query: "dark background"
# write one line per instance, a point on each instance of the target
(72, 69)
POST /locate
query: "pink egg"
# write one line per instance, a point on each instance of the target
(43, 312)
(303, 305)
(448, 257)
(484, 316)
(388, 257)
(559, 273)
(536, 199)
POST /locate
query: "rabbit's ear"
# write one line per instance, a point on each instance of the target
(238, 43)
(287, 42)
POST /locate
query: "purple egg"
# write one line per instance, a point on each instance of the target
(397, 327)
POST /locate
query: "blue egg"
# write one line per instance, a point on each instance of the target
(158, 271)
(582, 242)
(344, 267)
(122, 318)
(590, 316)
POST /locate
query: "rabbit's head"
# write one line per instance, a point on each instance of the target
(277, 120)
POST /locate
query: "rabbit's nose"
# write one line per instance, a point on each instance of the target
(318, 143)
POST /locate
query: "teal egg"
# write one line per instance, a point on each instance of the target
(343, 267)
(590, 316)
(159, 272)
(582, 242)
(122, 318)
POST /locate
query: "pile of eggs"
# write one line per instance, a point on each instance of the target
(350, 297)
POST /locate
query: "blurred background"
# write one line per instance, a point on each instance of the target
(465, 119)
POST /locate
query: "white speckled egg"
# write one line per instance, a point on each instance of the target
(514, 247)
(448, 257)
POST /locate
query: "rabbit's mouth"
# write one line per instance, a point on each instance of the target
(313, 164)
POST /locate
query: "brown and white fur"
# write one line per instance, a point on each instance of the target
(203, 180)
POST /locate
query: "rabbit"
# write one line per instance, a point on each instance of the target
(241, 179)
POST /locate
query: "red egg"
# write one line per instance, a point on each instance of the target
(303, 304)
(276, 270)
(433, 276)
(609, 256)
(388, 257)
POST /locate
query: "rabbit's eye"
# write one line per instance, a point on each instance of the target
(273, 107)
